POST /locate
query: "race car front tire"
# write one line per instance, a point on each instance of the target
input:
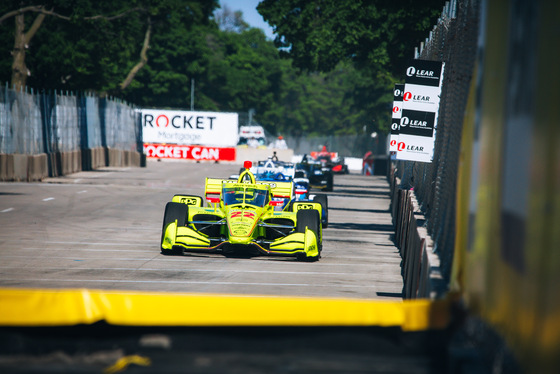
(173, 211)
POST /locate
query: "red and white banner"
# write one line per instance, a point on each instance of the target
(189, 152)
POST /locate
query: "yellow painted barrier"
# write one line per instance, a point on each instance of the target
(49, 307)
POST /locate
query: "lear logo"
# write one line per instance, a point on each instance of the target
(396, 109)
(404, 121)
(393, 143)
(416, 148)
(401, 146)
(394, 126)
(407, 96)
(398, 93)
(417, 123)
(159, 120)
(410, 71)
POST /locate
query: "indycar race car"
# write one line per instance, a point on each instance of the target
(278, 171)
(240, 219)
(320, 177)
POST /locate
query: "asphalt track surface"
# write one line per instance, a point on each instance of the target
(101, 230)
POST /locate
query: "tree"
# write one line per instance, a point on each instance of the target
(377, 37)
(22, 38)
(87, 44)
(377, 34)
(230, 21)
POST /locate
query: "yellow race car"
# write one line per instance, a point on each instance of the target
(242, 218)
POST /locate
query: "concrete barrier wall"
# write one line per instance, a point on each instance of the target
(34, 168)
(420, 266)
(23, 168)
(121, 158)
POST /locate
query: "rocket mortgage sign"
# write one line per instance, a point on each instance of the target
(418, 122)
(189, 135)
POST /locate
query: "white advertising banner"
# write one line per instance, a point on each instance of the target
(214, 129)
(398, 94)
(417, 97)
(415, 148)
(418, 123)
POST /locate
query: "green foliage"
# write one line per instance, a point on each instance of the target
(343, 57)
(375, 34)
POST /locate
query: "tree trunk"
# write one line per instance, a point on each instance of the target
(21, 41)
(143, 59)
(19, 69)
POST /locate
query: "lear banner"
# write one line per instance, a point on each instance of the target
(213, 129)
(420, 106)
(416, 135)
(398, 94)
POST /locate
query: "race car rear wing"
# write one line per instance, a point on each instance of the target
(280, 189)
(213, 188)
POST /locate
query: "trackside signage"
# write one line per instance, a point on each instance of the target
(211, 129)
(420, 106)
(184, 152)
(398, 94)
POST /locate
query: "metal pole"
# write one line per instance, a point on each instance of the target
(192, 94)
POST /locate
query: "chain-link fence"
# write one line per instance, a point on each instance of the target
(50, 122)
(346, 145)
(454, 41)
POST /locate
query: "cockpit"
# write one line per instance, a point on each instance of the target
(244, 195)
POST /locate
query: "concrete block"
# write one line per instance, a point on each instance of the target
(38, 168)
(20, 167)
(98, 158)
(6, 167)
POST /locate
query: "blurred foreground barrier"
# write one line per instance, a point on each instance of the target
(34, 307)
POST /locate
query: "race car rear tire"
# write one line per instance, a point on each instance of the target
(309, 218)
(322, 199)
(173, 211)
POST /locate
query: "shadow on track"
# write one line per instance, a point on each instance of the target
(361, 226)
